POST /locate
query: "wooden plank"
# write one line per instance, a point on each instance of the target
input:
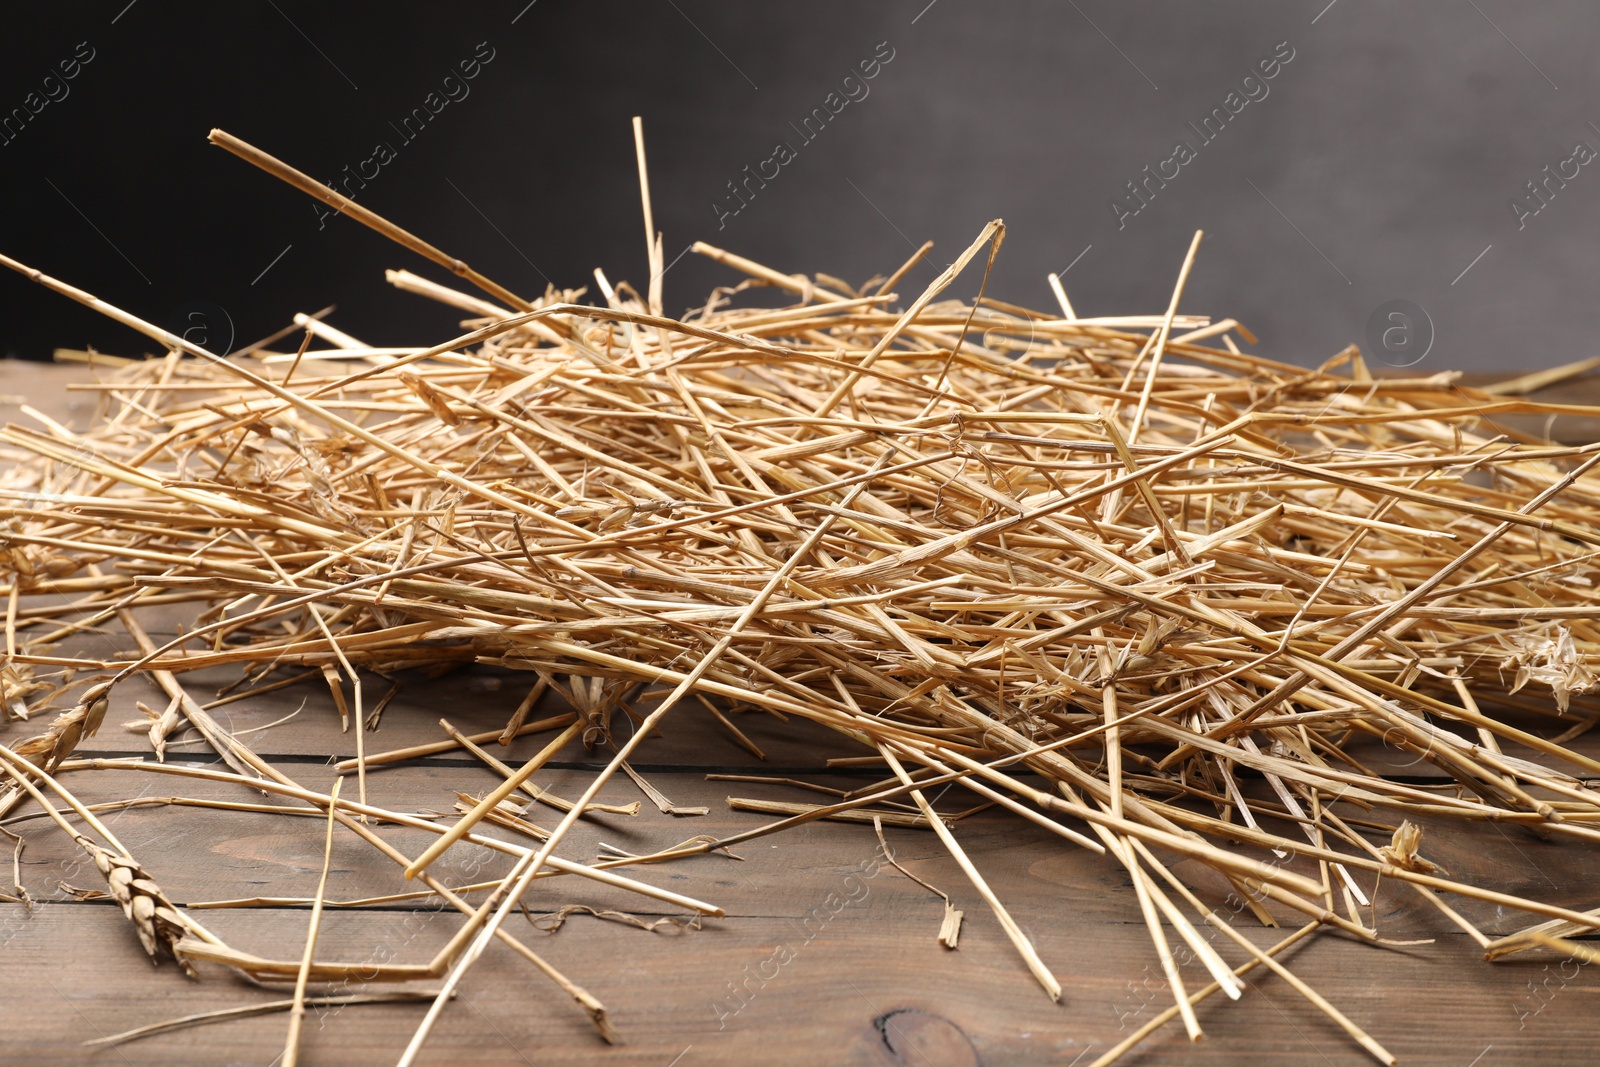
(839, 991)
(689, 738)
(479, 699)
(202, 854)
(474, 699)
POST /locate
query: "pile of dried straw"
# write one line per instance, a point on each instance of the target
(1111, 574)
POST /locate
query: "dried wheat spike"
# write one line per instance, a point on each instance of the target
(153, 915)
(63, 735)
(1402, 850)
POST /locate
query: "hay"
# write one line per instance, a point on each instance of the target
(975, 538)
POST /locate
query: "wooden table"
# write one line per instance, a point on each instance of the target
(844, 971)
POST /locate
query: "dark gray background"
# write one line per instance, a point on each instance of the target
(1390, 147)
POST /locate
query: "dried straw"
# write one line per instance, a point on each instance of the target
(976, 539)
